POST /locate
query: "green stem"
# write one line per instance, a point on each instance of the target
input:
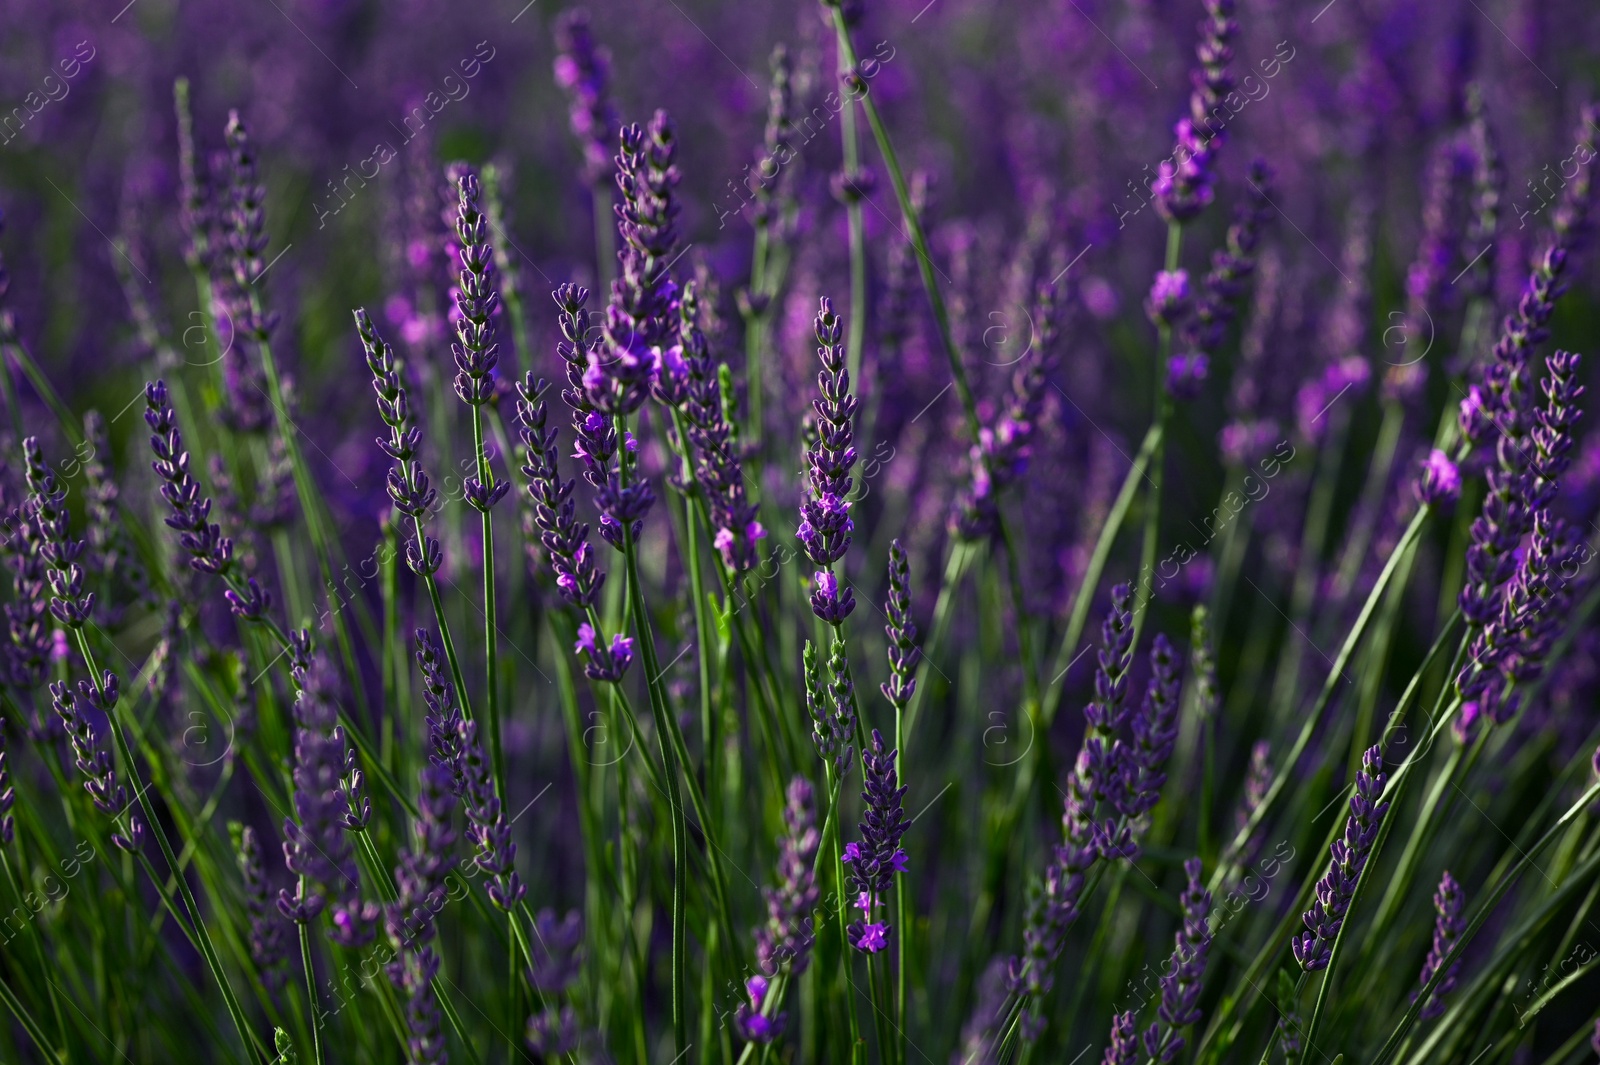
(1486, 908)
(202, 933)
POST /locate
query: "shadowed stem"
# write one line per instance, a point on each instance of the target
(202, 934)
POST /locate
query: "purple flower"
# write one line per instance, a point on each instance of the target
(622, 506)
(71, 605)
(750, 1022)
(1169, 297)
(554, 512)
(487, 828)
(786, 938)
(718, 467)
(640, 318)
(833, 712)
(475, 349)
(1183, 183)
(828, 601)
(604, 664)
(1180, 982)
(268, 948)
(1447, 928)
(1001, 455)
(553, 1034)
(1186, 373)
(1124, 1046)
(1314, 947)
(1440, 480)
(317, 847)
(825, 523)
(557, 959)
(583, 70)
(1155, 730)
(878, 857)
(901, 631)
(444, 716)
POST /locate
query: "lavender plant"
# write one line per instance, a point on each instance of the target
(305, 756)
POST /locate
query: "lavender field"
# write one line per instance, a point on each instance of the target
(872, 531)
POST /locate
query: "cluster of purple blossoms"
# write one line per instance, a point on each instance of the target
(1517, 604)
(623, 505)
(786, 937)
(751, 1020)
(1257, 781)
(1201, 333)
(1053, 905)
(641, 316)
(1313, 948)
(901, 631)
(1447, 928)
(71, 605)
(1002, 452)
(583, 70)
(92, 757)
(444, 716)
(487, 827)
(553, 511)
(268, 948)
(556, 958)
(1183, 183)
(28, 625)
(243, 231)
(1180, 985)
(407, 483)
(1155, 730)
(112, 557)
(209, 551)
(554, 1032)
(832, 709)
(697, 373)
(1440, 480)
(420, 876)
(475, 349)
(1501, 400)
(825, 523)
(317, 848)
(1098, 776)
(874, 861)
(410, 919)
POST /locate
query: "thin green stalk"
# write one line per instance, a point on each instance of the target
(1486, 908)
(202, 934)
(1083, 600)
(311, 988)
(661, 708)
(491, 630)
(29, 1025)
(1335, 675)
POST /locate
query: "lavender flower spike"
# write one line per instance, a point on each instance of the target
(583, 70)
(786, 938)
(564, 538)
(408, 485)
(874, 861)
(1447, 927)
(833, 724)
(641, 318)
(475, 349)
(1155, 730)
(1180, 987)
(93, 760)
(825, 524)
(48, 503)
(487, 826)
(1313, 948)
(1124, 1046)
(902, 632)
(268, 948)
(209, 551)
(1183, 184)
